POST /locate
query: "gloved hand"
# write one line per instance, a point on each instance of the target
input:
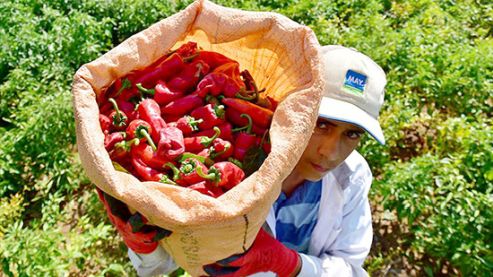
(265, 254)
(138, 236)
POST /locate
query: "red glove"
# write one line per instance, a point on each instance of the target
(138, 236)
(265, 254)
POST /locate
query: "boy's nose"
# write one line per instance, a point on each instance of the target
(329, 147)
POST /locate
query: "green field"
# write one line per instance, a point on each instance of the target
(432, 196)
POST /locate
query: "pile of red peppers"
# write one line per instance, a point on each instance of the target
(190, 119)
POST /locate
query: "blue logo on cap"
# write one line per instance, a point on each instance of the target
(354, 82)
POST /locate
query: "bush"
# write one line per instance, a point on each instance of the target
(434, 173)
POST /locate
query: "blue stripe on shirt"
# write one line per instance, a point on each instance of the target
(297, 215)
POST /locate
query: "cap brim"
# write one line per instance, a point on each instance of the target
(346, 112)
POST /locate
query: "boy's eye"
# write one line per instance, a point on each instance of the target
(322, 125)
(354, 134)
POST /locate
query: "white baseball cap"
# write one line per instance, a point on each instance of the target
(355, 87)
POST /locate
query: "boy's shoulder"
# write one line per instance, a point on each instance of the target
(353, 171)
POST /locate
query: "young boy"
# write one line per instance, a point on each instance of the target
(321, 223)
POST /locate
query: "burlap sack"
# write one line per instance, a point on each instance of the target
(282, 57)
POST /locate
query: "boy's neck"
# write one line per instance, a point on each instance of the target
(291, 183)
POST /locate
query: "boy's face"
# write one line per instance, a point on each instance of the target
(331, 143)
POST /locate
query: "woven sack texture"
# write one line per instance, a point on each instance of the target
(281, 55)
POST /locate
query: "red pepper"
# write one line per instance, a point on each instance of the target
(163, 95)
(126, 107)
(221, 149)
(105, 123)
(217, 83)
(182, 106)
(225, 128)
(145, 172)
(189, 76)
(248, 79)
(171, 144)
(121, 150)
(273, 103)
(144, 152)
(187, 49)
(161, 71)
(140, 129)
(244, 140)
(205, 153)
(213, 59)
(232, 70)
(223, 174)
(204, 188)
(118, 118)
(111, 139)
(252, 92)
(267, 102)
(235, 117)
(187, 124)
(150, 112)
(187, 173)
(196, 144)
(211, 116)
(212, 84)
(112, 92)
(259, 115)
(105, 108)
(172, 118)
(118, 87)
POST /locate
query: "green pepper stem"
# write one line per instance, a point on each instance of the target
(115, 105)
(208, 176)
(236, 162)
(120, 121)
(213, 99)
(188, 167)
(176, 171)
(119, 167)
(239, 129)
(205, 160)
(145, 90)
(166, 180)
(248, 127)
(194, 122)
(252, 97)
(134, 141)
(219, 110)
(145, 134)
(190, 58)
(262, 141)
(206, 141)
(188, 155)
(127, 144)
(125, 84)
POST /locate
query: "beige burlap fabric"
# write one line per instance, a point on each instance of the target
(282, 57)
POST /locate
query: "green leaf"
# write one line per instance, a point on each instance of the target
(254, 158)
